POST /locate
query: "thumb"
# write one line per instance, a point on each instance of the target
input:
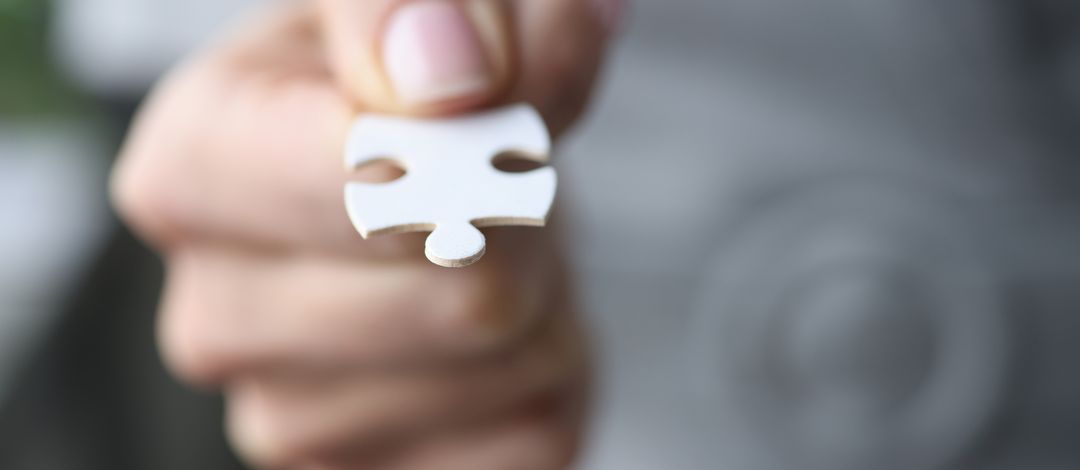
(420, 56)
(449, 56)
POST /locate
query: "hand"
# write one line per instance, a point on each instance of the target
(335, 352)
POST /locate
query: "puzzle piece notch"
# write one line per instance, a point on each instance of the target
(516, 129)
(451, 185)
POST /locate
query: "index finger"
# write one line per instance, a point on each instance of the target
(244, 144)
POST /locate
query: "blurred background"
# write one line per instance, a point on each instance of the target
(855, 228)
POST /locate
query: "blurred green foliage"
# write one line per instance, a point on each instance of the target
(29, 82)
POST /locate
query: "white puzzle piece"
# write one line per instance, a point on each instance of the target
(450, 186)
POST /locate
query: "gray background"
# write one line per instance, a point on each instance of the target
(835, 235)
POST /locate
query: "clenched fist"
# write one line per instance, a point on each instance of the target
(335, 352)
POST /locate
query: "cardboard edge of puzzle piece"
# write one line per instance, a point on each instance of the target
(440, 157)
(455, 245)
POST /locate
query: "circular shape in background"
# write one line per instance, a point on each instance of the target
(852, 325)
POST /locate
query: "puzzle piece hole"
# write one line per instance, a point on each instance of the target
(383, 170)
(515, 162)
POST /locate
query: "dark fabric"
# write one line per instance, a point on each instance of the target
(97, 397)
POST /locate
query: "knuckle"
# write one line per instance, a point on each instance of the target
(190, 343)
(556, 439)
(270, 430)
(147, 186)
(186, 352)
(143, 199)
(543, 444)
(478, 313)
(259, 437)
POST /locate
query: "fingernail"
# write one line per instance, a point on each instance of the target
(610, 12)
(432, 53)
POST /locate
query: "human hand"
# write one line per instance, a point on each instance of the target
(334, 352)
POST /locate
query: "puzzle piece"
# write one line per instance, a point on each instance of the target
(450, 186)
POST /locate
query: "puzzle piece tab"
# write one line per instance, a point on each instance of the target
(450, 186)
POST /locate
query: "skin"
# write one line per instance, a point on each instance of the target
(334, 352)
